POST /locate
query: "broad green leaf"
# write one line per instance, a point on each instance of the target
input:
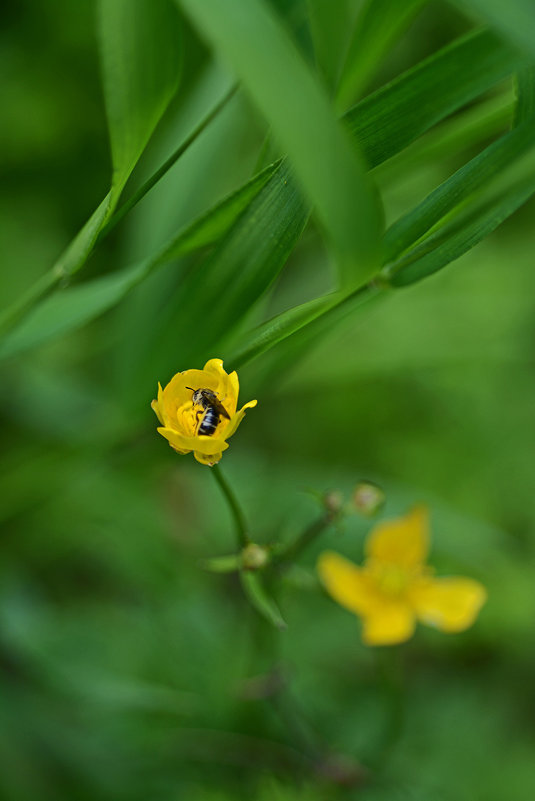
(252, 39)
(141, 58)
(73, 307)
(260, 600)
(515, 19)
(412, 226)
(378, 25)
(469, 224)
(525, 96)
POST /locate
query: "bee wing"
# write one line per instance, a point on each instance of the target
(218, 406)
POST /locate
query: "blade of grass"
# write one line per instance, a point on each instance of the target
(525, 96)
(251, 38)
(468, 224)
(166, 166)
(330, 28)
(67, 265)
(388, 120)
(141, 60)
(417, 94)
(73, 307)
(406, 231)
(378, 26)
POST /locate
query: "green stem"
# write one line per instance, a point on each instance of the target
(234, 506)
(295, 548)
(166, 166)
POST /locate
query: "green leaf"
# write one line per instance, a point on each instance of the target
(515, 19)
(141, 59)
(412, 226)
(251, 38)
(415, 101)
(70, 308)
(330, 27)
(525, 96)
(269, 228)
(67, 265)
(260, 600)
(469, 224)
(215, 296)
(390, 119)
(378, 25)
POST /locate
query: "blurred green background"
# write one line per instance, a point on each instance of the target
(125, 668)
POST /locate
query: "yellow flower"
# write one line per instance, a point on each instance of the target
(180, 418)
(394, 587)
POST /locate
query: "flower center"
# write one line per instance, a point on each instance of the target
(390, 578)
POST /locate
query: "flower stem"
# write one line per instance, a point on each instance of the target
(234, 506)
(294, 549)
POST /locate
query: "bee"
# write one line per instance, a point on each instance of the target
(212, 410)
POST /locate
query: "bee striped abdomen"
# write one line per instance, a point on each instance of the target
(209, 422)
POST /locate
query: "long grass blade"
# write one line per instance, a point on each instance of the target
(326, 164)
(141, 60)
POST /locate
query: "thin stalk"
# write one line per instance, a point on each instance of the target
(234, 506)
(166, 166)
(295, 548)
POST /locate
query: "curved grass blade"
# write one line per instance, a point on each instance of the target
(141, 60)
(326, 164)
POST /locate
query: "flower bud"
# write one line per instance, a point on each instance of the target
(254, 557)
(368, 498)
(333, 501)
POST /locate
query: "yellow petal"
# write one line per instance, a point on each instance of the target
(155, 405)
(236, 420)
(205, 445)
(389, 623)
(206, 459)
(403, 541)
(225, 387)
(346, 583)
(449, 604)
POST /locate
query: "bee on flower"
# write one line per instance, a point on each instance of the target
(395, 588)
(198, 411)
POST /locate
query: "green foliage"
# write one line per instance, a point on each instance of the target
(139, 43)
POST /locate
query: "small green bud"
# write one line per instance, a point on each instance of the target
(254, 557)
(368, 498)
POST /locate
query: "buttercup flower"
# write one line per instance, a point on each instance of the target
(394, 587)
(181, 418)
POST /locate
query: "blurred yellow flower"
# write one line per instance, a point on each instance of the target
(182, 419)
(394, 587)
